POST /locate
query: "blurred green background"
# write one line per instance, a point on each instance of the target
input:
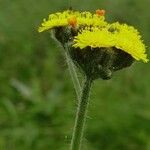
(37, 99)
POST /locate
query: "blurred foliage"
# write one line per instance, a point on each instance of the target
(37, 99)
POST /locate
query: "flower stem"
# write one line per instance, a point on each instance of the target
(81, 116)
(73, 74)
(71, 66)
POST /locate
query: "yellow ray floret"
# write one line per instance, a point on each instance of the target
(95, 38)
(87, 18)
(61, 19)
(123, 37)
(128, 39)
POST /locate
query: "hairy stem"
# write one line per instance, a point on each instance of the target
(73, 74)
(70, 64)
(77, 135)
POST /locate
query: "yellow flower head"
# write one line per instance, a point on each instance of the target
(89, 19)
(94, 37)
(129, 40)
(123, 37)
(63, 19)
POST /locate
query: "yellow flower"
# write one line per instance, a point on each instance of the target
(88, 19)
(129, 40)
(63, 19)
(123, 37)
(95, 38)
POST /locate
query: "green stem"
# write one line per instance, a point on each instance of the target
(71, 66)
(81, 116)
(73, 74)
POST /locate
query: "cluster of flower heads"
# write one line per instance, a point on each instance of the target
(73, 18)
(95, 32)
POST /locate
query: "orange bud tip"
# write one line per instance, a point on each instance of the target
(72, 21)
(100, 12)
